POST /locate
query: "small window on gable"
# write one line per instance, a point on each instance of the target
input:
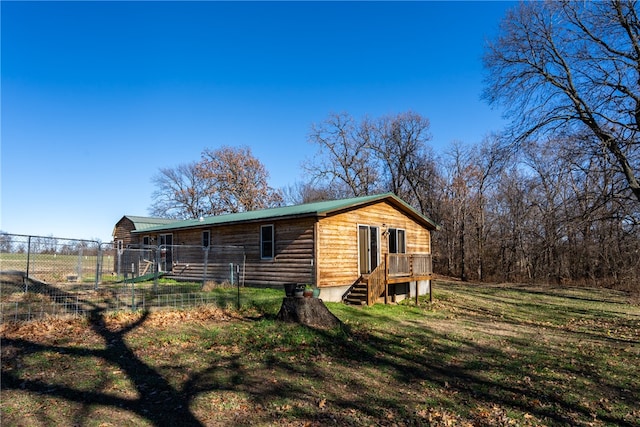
(206, 238)
(267, 241)
(397, 244)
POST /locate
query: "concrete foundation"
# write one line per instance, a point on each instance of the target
(403, 290)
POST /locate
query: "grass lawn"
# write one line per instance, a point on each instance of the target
(479, 355)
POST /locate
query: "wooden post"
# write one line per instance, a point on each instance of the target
(411, 266)
(386, 278)
(417, 281)
(430, 290)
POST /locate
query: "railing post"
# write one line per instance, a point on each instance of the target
(411, 257)
(430, 291)
(386, 277)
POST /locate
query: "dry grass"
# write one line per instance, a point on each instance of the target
(478, 356)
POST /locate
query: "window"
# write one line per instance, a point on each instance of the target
(145, 241)
(206, 238)
(266, 241)
(397, 243)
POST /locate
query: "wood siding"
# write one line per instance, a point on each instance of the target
(122, 231)
(338, 240)
(294, 248)
(293, 258)
(321, 251)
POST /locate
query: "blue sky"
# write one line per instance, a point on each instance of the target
(97, 96)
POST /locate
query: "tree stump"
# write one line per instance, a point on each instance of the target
(307, 311)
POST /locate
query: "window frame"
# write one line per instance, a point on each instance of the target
(271, 242)
(206, 242)
(393, 236)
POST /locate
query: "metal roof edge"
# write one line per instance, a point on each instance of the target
(317, 209)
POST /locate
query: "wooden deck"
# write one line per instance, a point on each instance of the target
(397, 268)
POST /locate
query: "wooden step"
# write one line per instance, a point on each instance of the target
(354, 301)
(357, 294)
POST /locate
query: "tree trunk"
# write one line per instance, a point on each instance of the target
(307, 311)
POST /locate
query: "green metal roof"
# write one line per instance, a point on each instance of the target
(318, 209)
(143, 222)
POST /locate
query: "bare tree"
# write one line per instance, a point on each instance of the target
(179, 193)
(511, 214)
(236, 181)
(572, 68)
(307, 192)
(6, 242)
(458, 196)
(390, 153)
(406, 161)
(487, 161)
(345, 161)
(225, 180)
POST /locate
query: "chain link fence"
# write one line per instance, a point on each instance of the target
(50, 276)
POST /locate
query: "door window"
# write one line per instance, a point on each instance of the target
(368, 248)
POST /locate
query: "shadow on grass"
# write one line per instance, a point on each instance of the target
(373, 372)
(158, 402)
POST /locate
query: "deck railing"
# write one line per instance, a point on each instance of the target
(409, 265)
(376, 284)
(394, 269)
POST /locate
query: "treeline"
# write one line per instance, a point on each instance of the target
(543, 216)
(47, 245)
(547, 211)
(543, 213)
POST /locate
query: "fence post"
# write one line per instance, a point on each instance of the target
(238, 287)
(79, 266)
(98, 267)
(156, 269)
(206, 266)
(26, 278)
(244, 267)
(133, 296)
(119, 253)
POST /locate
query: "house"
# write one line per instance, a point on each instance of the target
(364, 249)
(128, 224)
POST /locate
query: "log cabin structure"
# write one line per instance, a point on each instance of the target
(129, 224)
(359, 250)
